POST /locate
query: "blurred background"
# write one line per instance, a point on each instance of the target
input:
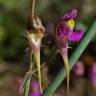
(14, 59)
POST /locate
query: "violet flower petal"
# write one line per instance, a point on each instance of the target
(62, 30)
(70, 15)
(76, 36)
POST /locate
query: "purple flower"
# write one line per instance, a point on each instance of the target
(35, 90)
(34, 87)
(79, 69)
(64, 32)
(64, 29)
(92, 74)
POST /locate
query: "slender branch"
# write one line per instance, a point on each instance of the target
(72, 60)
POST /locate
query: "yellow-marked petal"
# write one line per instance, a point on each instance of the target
(70, 23)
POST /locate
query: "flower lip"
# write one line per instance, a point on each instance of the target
(70, 15)
(76, 35)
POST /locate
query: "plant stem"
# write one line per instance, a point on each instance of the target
(72, 60)
(26, 87)
(27, 80)
(32, 8)
(29, 75)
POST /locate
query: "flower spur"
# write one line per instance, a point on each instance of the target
(64, 32)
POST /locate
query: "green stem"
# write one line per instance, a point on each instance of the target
(26, 87)
(27, 80)
(72, 60)
(31, 62)
(33, 7)
(29, 75)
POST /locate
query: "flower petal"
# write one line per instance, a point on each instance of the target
(62, 30)
(70, 15)
(76, 36)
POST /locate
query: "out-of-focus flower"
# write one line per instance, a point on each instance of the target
(34, 87)
(64, 32)
(35, 90)
(79, 69)
(92, 74)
